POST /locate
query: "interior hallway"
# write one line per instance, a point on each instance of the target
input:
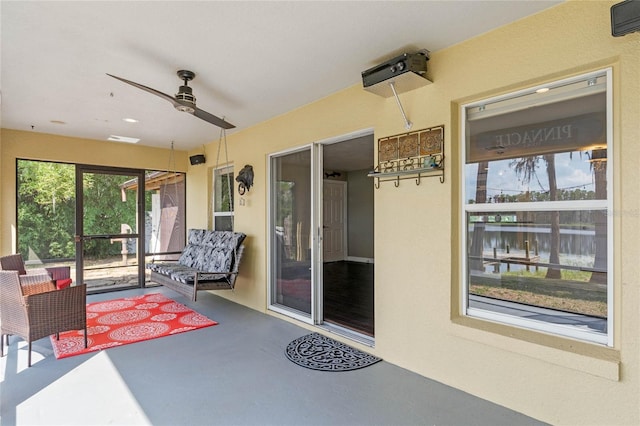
(349, 295)
(234, 373)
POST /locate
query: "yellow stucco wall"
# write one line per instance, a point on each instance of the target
(418, 325)
(342, 113)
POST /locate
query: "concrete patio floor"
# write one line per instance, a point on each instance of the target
(234, 373)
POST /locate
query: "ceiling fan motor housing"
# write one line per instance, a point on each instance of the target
(185, 94)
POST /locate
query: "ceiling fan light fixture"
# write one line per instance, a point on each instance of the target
(185, 108)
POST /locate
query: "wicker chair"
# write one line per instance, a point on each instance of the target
(31, 307)
(60, 275)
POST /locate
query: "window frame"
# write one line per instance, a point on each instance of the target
(155, 182)
(539, 206)
(216, 173)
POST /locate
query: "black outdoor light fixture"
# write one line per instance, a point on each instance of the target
(245, 179)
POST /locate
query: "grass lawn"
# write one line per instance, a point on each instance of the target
(571, 293)
(579, 306)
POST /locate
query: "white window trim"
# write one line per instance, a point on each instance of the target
(214, 213)
(545, 327)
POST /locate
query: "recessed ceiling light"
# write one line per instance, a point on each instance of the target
(542, 90)
(116, 138)
(57, 122)
(130, 120)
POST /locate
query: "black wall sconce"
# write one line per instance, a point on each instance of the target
(245, 179)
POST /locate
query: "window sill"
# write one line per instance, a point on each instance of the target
(557, 323)
(584, 357)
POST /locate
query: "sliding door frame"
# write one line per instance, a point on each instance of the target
(80, 236)
(272, 242)
(316, 183)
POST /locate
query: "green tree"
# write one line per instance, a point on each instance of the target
(46, 209)
(477, 239)
(526, 167)
(105, 211)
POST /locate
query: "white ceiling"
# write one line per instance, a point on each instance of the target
(253, 60)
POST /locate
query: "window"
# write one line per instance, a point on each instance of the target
(537, 190)
(46, 211)
(165, 206)
(57, 201)
(223, 199)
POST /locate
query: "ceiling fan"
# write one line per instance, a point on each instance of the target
(184, 100)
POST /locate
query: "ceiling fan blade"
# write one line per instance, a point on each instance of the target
(147, 89)
(216, 121)
(204, 115)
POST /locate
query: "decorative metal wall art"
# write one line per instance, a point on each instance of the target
(409, 155)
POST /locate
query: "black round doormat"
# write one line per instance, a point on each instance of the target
(322, 353)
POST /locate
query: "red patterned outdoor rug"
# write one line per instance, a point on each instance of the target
(128, 320)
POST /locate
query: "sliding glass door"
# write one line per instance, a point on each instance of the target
(99, 221)
(314, 274)
(290, 234)
(109, 253)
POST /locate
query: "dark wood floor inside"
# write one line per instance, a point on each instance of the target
(348, 295)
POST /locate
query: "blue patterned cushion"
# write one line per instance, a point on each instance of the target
(196, 236)
(216, 259)
(189, 255)
(214, 253)
(206, 251)
(153, 266)
(226, 239)
(201, 262)
(183, 273)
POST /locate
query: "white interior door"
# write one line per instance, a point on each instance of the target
(334, 220)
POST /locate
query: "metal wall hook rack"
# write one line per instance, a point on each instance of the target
(411, 173)
(413, 155)
(418, 179)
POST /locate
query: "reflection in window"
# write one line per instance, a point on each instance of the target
(165, 226)
(290, 255)
(523, 260)
(223, 199)
(536, 202)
